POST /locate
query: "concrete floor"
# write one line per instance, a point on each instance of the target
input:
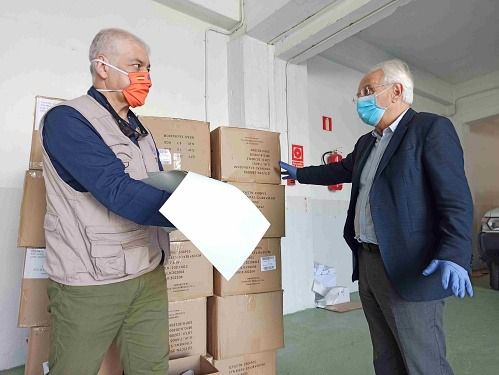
(322, 342)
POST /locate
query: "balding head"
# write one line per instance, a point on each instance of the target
(107, 42)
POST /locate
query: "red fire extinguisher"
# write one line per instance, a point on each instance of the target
(329, 158)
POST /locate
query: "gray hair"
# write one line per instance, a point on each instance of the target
(105, 43)
(397, 71)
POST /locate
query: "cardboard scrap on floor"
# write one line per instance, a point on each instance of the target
(343, 307)
(480, 273)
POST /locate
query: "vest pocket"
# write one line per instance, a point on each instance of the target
(50, 222)
(117, 251)
(122, 149)
(108, 260)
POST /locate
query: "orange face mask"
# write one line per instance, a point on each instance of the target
(136, 92)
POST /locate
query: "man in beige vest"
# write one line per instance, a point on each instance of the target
(105, 249)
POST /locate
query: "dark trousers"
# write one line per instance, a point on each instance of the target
(407, 337)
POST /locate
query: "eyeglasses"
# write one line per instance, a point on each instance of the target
(367, 90)
(124, 126)
(130, 132)
(128, 129)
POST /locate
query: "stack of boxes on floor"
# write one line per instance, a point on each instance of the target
(245, 325)
(185, 144)
(33, 309)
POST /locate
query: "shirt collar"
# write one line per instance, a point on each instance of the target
(394, 124)
(392, 127)
(102, 100)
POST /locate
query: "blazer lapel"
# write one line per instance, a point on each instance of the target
(395, 141)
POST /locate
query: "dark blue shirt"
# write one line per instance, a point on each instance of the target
(87, 164)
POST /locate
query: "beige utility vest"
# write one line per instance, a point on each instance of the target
(86, 243)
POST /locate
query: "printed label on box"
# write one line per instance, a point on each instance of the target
(165, 156)
(33, 265)
(177, 160)
(258, 162)
(42, 106)
(268, 263)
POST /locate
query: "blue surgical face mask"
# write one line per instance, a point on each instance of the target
(368, 110)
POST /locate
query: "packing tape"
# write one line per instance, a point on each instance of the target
(35, 174)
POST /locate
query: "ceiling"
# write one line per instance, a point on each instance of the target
(455, 40)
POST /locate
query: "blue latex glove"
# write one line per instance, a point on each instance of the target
(453, 275)
(290, 173)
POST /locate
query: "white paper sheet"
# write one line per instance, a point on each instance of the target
(325, 275)
(218, 219)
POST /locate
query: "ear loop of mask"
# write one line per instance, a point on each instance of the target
(381, 92)
(111, 66)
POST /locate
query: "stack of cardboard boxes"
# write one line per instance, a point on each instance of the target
(185, 145)
(33, 307)
(245, 325)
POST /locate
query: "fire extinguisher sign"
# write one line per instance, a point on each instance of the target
(297, 155)
(327, 123)
(296, 159)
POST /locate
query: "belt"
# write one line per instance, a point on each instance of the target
(371, 247)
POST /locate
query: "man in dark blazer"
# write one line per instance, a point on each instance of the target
(408, 223)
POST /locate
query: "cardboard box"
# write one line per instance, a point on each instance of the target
(270, 200)
(198, 364)
(259, 274)
(33, 306)
(38, 355)
(42, 105)
(244, 324)
(187, 320)
(38, 350)
(245, 155)
(182, 144)
(249, 364)
(36, 155)
(33, 207)
(177, 236)
(189, 274)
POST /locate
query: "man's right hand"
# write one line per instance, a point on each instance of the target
(289, 171)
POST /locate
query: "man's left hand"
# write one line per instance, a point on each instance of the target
(290, 171)
(452, 274)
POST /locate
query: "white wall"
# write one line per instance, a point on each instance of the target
(266, 93)
(481, 147)
(291, 120)
(44, 52)
(331, 88)
(478, 102)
